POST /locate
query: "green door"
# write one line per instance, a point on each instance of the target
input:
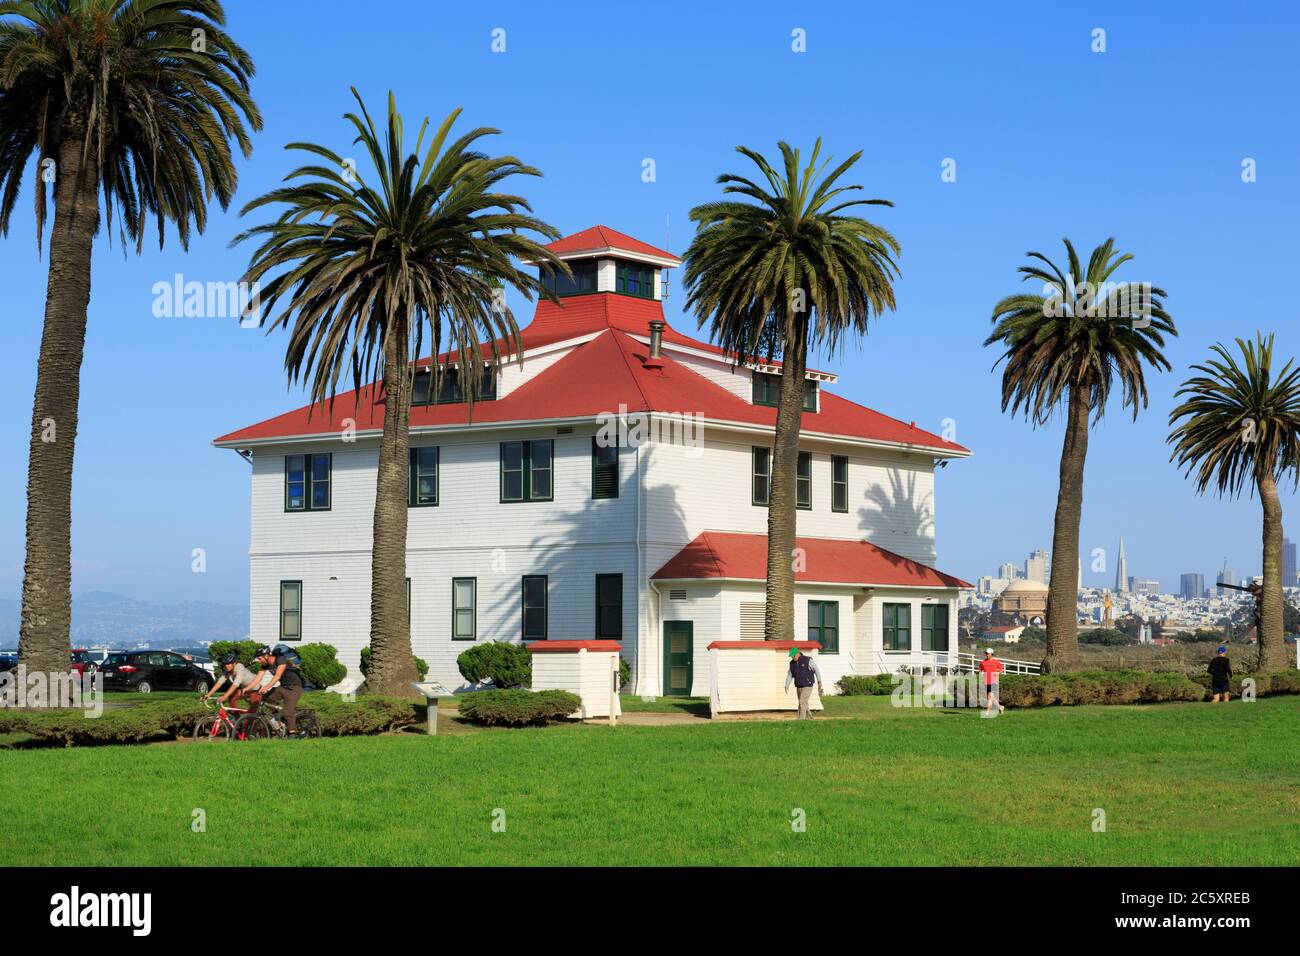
(679, 665)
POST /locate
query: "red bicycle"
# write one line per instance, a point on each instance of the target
(222, 725)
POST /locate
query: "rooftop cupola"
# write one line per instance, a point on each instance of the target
(605, 260)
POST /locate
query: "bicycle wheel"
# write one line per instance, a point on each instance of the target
(308, 725)
(212, 727)
(254, 727)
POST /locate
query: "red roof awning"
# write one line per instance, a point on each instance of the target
(731, 555)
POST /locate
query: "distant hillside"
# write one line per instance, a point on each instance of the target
(101, 617)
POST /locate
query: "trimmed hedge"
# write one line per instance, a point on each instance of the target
(421, 668)
(866, 685)
(1127, 687)
(503, 663)
(162, 719)
(517, 708)
(245, 649)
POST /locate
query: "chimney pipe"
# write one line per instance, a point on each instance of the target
(656, 338)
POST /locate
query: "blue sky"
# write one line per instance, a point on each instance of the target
(1143, 142)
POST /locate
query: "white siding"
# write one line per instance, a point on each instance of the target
(891, 496)
(468, 534)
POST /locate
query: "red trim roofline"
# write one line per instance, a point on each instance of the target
(573, 647)
(786, 646)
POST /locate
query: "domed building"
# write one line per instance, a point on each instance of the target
(1024, 601)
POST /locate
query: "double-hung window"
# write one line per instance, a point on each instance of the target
(464, 601)
(307, 482)
(423, 480)
(897, 627)
(291, 610)
(934, 627)
(526, 468)
(824, 625)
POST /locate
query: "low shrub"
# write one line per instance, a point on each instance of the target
(1128, 687)
(421, 668)
(245, 650)
(505, 664)
(624, 673)
(162, 719)
(1268, 684)
(517, 708)
(866, 685)
(320, 665)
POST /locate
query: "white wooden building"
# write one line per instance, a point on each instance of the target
(612, 486)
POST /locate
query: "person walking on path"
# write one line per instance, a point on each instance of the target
(803, 674)
(991, 667)
(1220, 676)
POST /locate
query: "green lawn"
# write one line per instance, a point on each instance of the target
(1180, 784)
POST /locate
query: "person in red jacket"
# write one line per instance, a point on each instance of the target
(991, 668)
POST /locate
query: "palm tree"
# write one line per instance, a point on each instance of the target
(136, 100)
(1067, 347)
(367, 272)
(776, 276)
(1239, 424)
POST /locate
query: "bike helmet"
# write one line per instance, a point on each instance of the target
(263, 651)
(230, 658)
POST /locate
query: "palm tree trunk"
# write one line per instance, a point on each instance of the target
(1063, 590)
(1272, 648)
(778, 617)
(392, 668)
(44, 638)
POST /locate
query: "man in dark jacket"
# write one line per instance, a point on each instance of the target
(290, 687)
(1220, 676)
(803, 674)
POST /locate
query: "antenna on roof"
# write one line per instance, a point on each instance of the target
(668, 222)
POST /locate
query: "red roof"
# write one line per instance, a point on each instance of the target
(728, 554)
(596, 378)
(573, 646)
(603, 237)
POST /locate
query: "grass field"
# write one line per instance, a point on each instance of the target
(1179, 783)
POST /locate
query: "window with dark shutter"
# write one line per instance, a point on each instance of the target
(803, 482)
(609, 606)
(604, 469)
(762, 476)
(839, 483)
(534, 607)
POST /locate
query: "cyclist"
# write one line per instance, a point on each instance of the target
(289, 678)
(242, 681)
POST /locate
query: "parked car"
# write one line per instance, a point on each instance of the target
(147, 671)
(81, 659)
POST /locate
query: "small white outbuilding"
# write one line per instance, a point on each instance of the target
(750, 676)
(586, 668)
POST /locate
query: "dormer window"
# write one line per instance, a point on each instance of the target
(450, 391)
(767, 391)
(583, 281)
(634, 278)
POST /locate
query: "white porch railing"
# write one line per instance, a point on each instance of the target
(915, 661)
